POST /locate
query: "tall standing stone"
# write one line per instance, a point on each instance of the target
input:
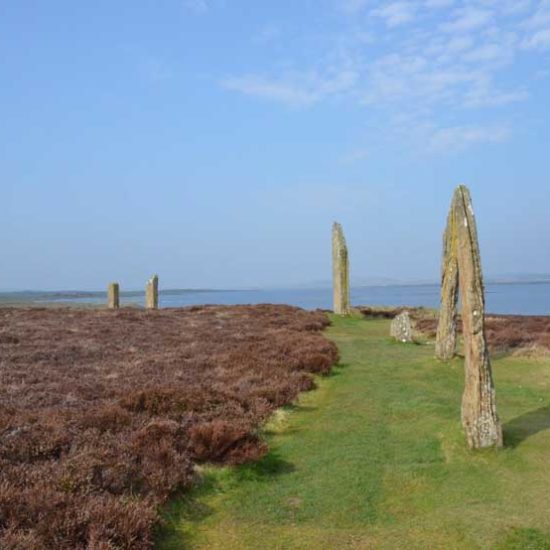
(113, 301)
(340, 271)
(462, 269)
(152, 293)
(446, 331)
(479, 415)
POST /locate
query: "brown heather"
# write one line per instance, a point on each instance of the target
(506, 333)
(103, 414)
(521, 334)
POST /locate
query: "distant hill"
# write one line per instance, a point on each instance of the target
(9, 296)
(520, 278)
(506, 278)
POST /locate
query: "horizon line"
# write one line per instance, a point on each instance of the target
(537, 279)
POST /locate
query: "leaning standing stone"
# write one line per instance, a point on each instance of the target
(401, 328)
(446, 329)
(113, 301)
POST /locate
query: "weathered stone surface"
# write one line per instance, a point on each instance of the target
(113, 301)
(152, 293)
(479, 415)
(402, 328)
(462, 268)
(446, 331)
(340, 271)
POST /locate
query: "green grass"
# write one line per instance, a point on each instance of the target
(375, 458)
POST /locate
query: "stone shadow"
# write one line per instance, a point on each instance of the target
(531, 423)
(270, 466)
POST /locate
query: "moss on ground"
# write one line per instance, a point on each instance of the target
(376, 458)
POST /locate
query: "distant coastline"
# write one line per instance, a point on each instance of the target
(46, 296)
(504, 296)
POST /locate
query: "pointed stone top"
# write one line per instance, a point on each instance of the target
(462, 188)
(338, 232)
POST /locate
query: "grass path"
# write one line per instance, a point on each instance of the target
(375, 458)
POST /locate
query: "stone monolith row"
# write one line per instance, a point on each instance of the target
(113, 301)
(340, 271)
(462, 255)
(152, 293)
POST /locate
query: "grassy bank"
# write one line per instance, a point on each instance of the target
(376, 458)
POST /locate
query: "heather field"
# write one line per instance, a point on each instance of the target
(105, 414)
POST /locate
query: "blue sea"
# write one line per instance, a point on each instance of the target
(506, 298)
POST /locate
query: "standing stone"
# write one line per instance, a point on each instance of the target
(152, 293)
(445, 344)
(340, 271)
(479, 415)
(401, 328)
(462, 269)
(113, 301)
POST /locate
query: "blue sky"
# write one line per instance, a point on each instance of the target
(215, 141)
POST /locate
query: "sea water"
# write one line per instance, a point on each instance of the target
(508, 298)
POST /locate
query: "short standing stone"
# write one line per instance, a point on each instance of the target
(401, 328)
(152, 293)
(340, 271)
(113, 301)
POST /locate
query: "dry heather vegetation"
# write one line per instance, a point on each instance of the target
(507, 333)
(103, 414)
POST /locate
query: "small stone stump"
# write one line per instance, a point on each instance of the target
(402, 329)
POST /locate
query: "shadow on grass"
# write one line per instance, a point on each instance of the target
(182, 512)
(296, 407)
(398, 343)
(188, 509)
(269, 467)
(524, 539)
(333, 373)
(339, 366)
(519, 429)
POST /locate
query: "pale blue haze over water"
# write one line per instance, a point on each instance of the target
(509, 298)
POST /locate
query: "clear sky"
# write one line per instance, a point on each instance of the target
(215, 141)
